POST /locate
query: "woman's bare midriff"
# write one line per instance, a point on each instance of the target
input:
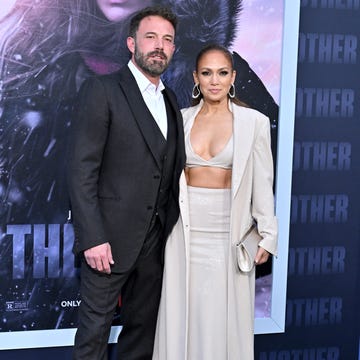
(208, 177)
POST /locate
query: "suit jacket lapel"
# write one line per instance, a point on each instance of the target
(180, 158)
(141, 113)
(243, 139)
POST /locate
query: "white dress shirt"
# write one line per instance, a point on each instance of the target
(152, 96)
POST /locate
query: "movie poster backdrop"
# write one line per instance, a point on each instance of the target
(48, 48)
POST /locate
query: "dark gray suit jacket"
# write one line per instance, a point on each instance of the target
(115, 166)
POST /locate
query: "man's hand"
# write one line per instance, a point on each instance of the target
(100, 258)
(262, 256)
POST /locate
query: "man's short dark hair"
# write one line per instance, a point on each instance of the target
(161, 11)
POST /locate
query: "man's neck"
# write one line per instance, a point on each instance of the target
(154, 80)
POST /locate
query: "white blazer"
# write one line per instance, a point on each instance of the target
(252, 199)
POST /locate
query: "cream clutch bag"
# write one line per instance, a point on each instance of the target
(247, 248)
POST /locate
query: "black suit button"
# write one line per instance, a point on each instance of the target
(156, 176)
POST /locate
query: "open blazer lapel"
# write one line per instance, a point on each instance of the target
(140, 111)
(243, 128)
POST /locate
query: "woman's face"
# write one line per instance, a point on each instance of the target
(116, 10)
(214, 75)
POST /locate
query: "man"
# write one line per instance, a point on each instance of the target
(126, 159)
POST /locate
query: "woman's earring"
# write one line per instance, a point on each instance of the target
(232, 91)
(196, 91)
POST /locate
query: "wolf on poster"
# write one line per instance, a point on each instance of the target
(48, 48)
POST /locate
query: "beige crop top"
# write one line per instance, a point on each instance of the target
(223, 159)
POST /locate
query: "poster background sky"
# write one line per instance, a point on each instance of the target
(259, 40)
(5, 7)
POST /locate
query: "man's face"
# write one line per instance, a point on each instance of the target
(153, 46)
(116, 10)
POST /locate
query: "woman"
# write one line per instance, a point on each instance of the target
(207, 305)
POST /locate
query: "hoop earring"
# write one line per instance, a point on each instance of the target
(196, 91)
(232, 91)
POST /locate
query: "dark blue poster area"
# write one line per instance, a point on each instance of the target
(322, 307)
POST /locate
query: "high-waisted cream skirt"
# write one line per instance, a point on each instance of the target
(209, 241)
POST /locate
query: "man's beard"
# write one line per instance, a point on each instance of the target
(150, 66)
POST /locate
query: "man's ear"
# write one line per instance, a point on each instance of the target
(130, 41)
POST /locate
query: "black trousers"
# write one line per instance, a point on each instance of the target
(140, 290)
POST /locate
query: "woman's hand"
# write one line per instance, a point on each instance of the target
(262, 256)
